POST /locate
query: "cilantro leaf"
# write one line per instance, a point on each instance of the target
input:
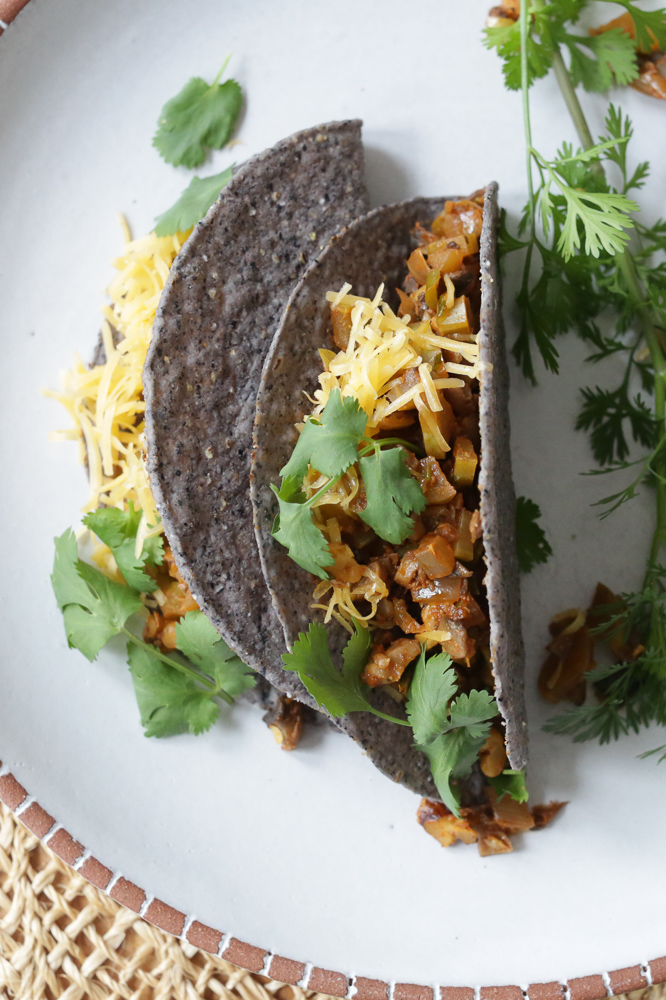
(603, 217)
(200, 117)
(612, 60)
(330, 444)
(450, 733)
(392, 494)
(94, 607)
(472, 711)
(194, 202)
(87, 631)
(510, 783)
(506, 40)
(66, 581)
(433, 686)
(295, 529)
(531, 543)
(169, 702)
(339, 693)
(650, 26)
(605, 412)
(452, 755)
(201, 643)
(117, 529)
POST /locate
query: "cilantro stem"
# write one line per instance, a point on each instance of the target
(222, 69)
(389, 718)
(183, 668)
(627, 268)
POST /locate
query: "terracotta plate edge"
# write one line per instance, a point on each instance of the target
(260, 960)
(286, 970)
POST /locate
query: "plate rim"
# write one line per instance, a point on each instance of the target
(261, 961)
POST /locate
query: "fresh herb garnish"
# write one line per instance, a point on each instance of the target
(578, 227)
(200, 194)
(332, 444)
(337, 692)
(450, 731)
(532, 545)
(510, 783)
(200, 117)
(118, 529)
(175, 693)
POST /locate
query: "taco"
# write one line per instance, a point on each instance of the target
(220, 308)
(423, 360)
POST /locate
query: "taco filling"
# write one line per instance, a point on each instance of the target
(400, 530)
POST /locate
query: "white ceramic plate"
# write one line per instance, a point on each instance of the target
(310, 855)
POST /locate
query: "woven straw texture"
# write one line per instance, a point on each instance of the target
(62, 937)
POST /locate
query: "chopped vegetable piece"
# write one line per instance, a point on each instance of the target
(456, 320)
(341, 317)
(465, 461)
(418, 266)
(492, 754)
(464, 547)
(435, 556)
(431, 287)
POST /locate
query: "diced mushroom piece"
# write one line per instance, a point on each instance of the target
(494, 842)
(571, 656)
(436, 487)
(435, 556)
(465, 461)
(544, 814)
(345, 569)
(492, 755)
(441, 824)
(403, 619)
(418, 266)
(177, 600)
(285, 721)
(511, 816)
(408, 570)
(650, 80)
(341, 317)
(386, 666)
(447, 254)
(457, 217)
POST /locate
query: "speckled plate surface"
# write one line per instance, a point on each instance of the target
(313, 856)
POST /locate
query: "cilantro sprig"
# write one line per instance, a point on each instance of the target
(587, 251)
(449, 729)
(175, 693)
(200, 117)
(332, 445)
(532, 545)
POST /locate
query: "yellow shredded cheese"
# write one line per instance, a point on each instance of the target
(380, 349)
(105, 401)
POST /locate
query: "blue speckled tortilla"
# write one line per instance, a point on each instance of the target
(370, 251)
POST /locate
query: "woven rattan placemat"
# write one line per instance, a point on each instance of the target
(62, 937)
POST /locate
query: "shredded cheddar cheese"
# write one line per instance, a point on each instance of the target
(105, 401)
(382, 347)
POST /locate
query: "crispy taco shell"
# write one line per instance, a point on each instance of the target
(220, 308)
(370, 251)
